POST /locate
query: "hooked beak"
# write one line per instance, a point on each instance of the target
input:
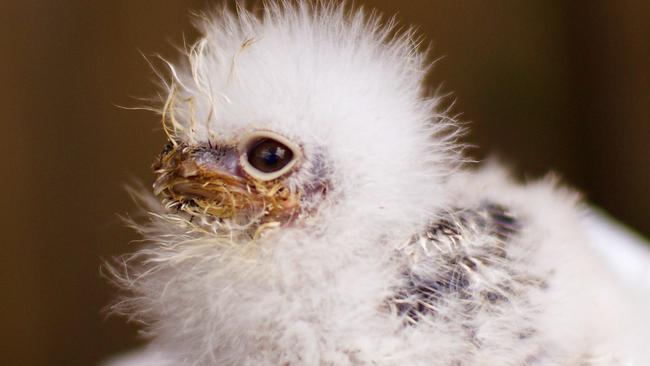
(206, 181)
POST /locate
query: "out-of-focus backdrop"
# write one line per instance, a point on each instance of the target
(548, 85)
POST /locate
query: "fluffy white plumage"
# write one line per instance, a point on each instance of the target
(395, 254)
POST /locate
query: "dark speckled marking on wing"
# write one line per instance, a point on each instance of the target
(423, 292)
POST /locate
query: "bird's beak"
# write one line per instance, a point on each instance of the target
(196, 180)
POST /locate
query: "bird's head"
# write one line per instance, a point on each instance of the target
(300, 113)
(302, 148)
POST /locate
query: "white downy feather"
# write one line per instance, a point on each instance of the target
(348, 88)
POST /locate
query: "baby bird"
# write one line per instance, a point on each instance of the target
(312, 207)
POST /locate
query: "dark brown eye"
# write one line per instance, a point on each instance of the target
(268, 155)
(265, 155)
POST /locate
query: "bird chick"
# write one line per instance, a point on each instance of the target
(312, 208)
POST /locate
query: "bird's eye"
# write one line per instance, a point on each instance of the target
(266, 156)
(269, 155)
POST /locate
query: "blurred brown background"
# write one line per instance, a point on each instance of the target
(560, 85)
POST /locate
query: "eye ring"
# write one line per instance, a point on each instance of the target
(253, 145)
